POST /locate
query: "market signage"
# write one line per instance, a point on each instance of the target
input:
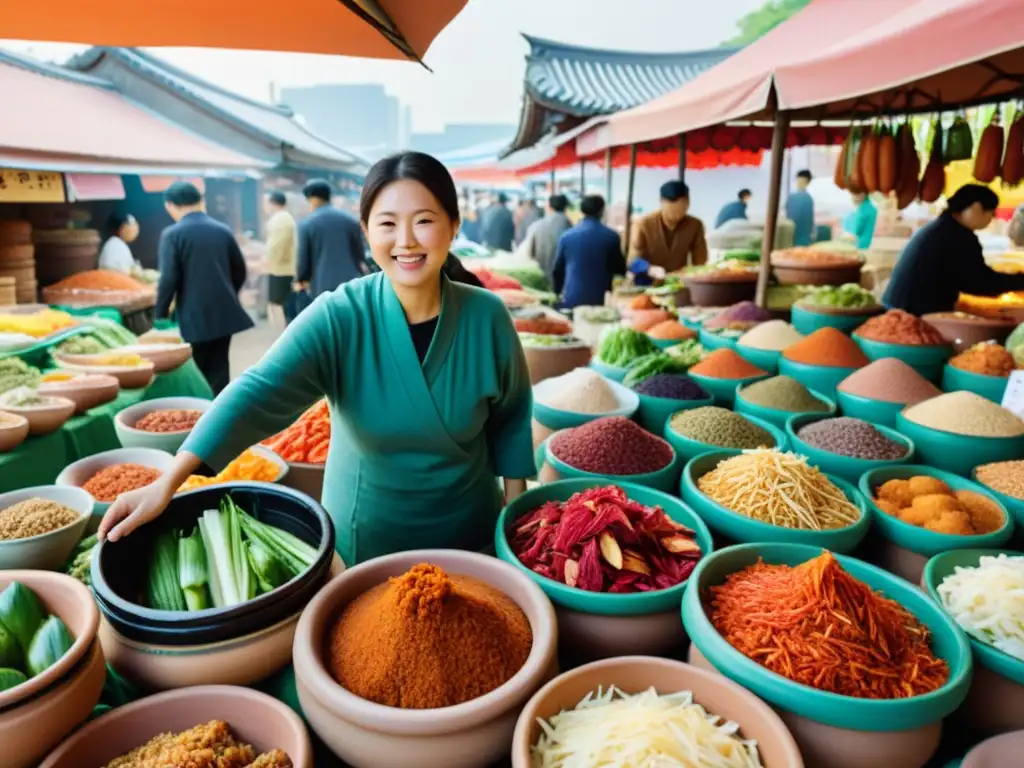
(17, 186)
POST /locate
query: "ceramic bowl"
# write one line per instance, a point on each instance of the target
(243, 660)
(819, 378)
(553, 418)
(164, 356)
(807, 319)
(927, 360)
(305, 478)
(724, 390)
(612, 372)
(47, 551)
(255, 718)
(990, 387)
(369, 735)
(30, 730)
(712, 340)
(634, 674)
(687, 448)
(654, 412)
(79, 472)
(955, 453)
(847, 467)
(905, 548)
(736, 527)
(995, 703)
(86, 392)
(597, 624)
(869, 409)
(774, 416)
(129, 376)
(963, 333)
(548, 362)
(997, 752)
(44, 419)
(12, 435)
(124, 423)
(765, 359)
(1014, 505)
(662, 480)
(833, 730)
(62, 596)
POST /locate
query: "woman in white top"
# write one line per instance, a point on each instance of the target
(116, 255)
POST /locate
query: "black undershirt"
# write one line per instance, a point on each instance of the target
(422, 335)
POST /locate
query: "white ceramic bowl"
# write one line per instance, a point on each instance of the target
(47, 551)
(44, 419)
(78, 473)
(124, 423)
(13, 435)
(283, 469)
(164, 356)
(129, 376)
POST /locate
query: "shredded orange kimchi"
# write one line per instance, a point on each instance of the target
(306, 441)
(817, 625)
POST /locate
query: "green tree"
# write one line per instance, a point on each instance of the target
(766, 18)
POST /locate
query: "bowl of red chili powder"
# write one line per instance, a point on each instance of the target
(437, 651)
(163, 423)
(871, 664)
(108, 474)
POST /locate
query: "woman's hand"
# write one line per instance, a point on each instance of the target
(144, 505)
(514, 489)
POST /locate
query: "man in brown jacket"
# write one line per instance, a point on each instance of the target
(670, 238)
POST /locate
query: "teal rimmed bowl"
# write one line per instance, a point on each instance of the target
(654, 412)
(865, 715)
(765, 359)
(712, 340)
(724, 390)
(820, 378)
(927, 360)
(666, 343)
(1015, 506)
(869, 409)
(612, 372)
(958, 453)
(904, 549)
(737, 527)
(846, 467)
(990, 387)
(662, 480)
(996, 700)
(600, 603)
(554, 418)
(806, 320)
(687, 448)
(774, 415)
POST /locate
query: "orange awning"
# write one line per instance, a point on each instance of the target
(376, 29)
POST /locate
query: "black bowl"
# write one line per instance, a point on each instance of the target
(119, 568)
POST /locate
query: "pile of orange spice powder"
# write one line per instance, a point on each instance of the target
(425, 640)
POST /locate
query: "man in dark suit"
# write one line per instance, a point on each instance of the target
(201, 272)
(331, 247)
(587, 257)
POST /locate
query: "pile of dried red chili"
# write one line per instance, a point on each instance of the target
(602, 541)
(307, 440)
(175, 420)
(110, 482)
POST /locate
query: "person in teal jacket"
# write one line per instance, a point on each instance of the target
(427, 384)
(859, 224)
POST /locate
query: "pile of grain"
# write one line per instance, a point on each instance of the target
(783, 393)
(580, 391)
(721, 428)
(890, 381)
(965, 413)
(773, 336)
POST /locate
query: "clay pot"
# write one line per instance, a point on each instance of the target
(469, 735)
(13, 435)
(44, 419)
(254, 718)
(999, 752)
(634, 674)
(548, 362)
(305, 478)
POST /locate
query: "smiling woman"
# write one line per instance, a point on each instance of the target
(428, 388)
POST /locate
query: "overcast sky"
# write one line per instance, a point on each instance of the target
(478, 61)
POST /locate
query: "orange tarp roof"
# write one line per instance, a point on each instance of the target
(306, 26)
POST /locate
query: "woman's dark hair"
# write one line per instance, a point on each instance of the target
(968, 195)
(117, 220)
(412, 166)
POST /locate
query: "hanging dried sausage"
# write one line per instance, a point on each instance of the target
(989, 159)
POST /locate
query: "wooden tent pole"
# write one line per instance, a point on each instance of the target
(681, 144)
(608, 176)
(774, 196)
(583, 177)
(629, 193)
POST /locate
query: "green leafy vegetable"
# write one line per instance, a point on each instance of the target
(10, 648)
(192, 571)
(675, 359)
(21, 613)
(270, 573)
(51, 641)
(621, 346)
(10, 678)
(848, 296)
(163, 590)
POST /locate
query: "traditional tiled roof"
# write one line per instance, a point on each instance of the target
(566, 84)
(272, 122)
(53, 70)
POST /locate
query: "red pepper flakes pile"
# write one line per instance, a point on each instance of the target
(307, 440)
(601, 541)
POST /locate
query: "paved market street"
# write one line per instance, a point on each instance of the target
(247, 348)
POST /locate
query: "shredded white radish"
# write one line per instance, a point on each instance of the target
(988, 601)
(612, 729)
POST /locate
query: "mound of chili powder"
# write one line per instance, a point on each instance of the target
(426, 640)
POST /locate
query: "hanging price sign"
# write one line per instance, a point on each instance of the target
(30, 186)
